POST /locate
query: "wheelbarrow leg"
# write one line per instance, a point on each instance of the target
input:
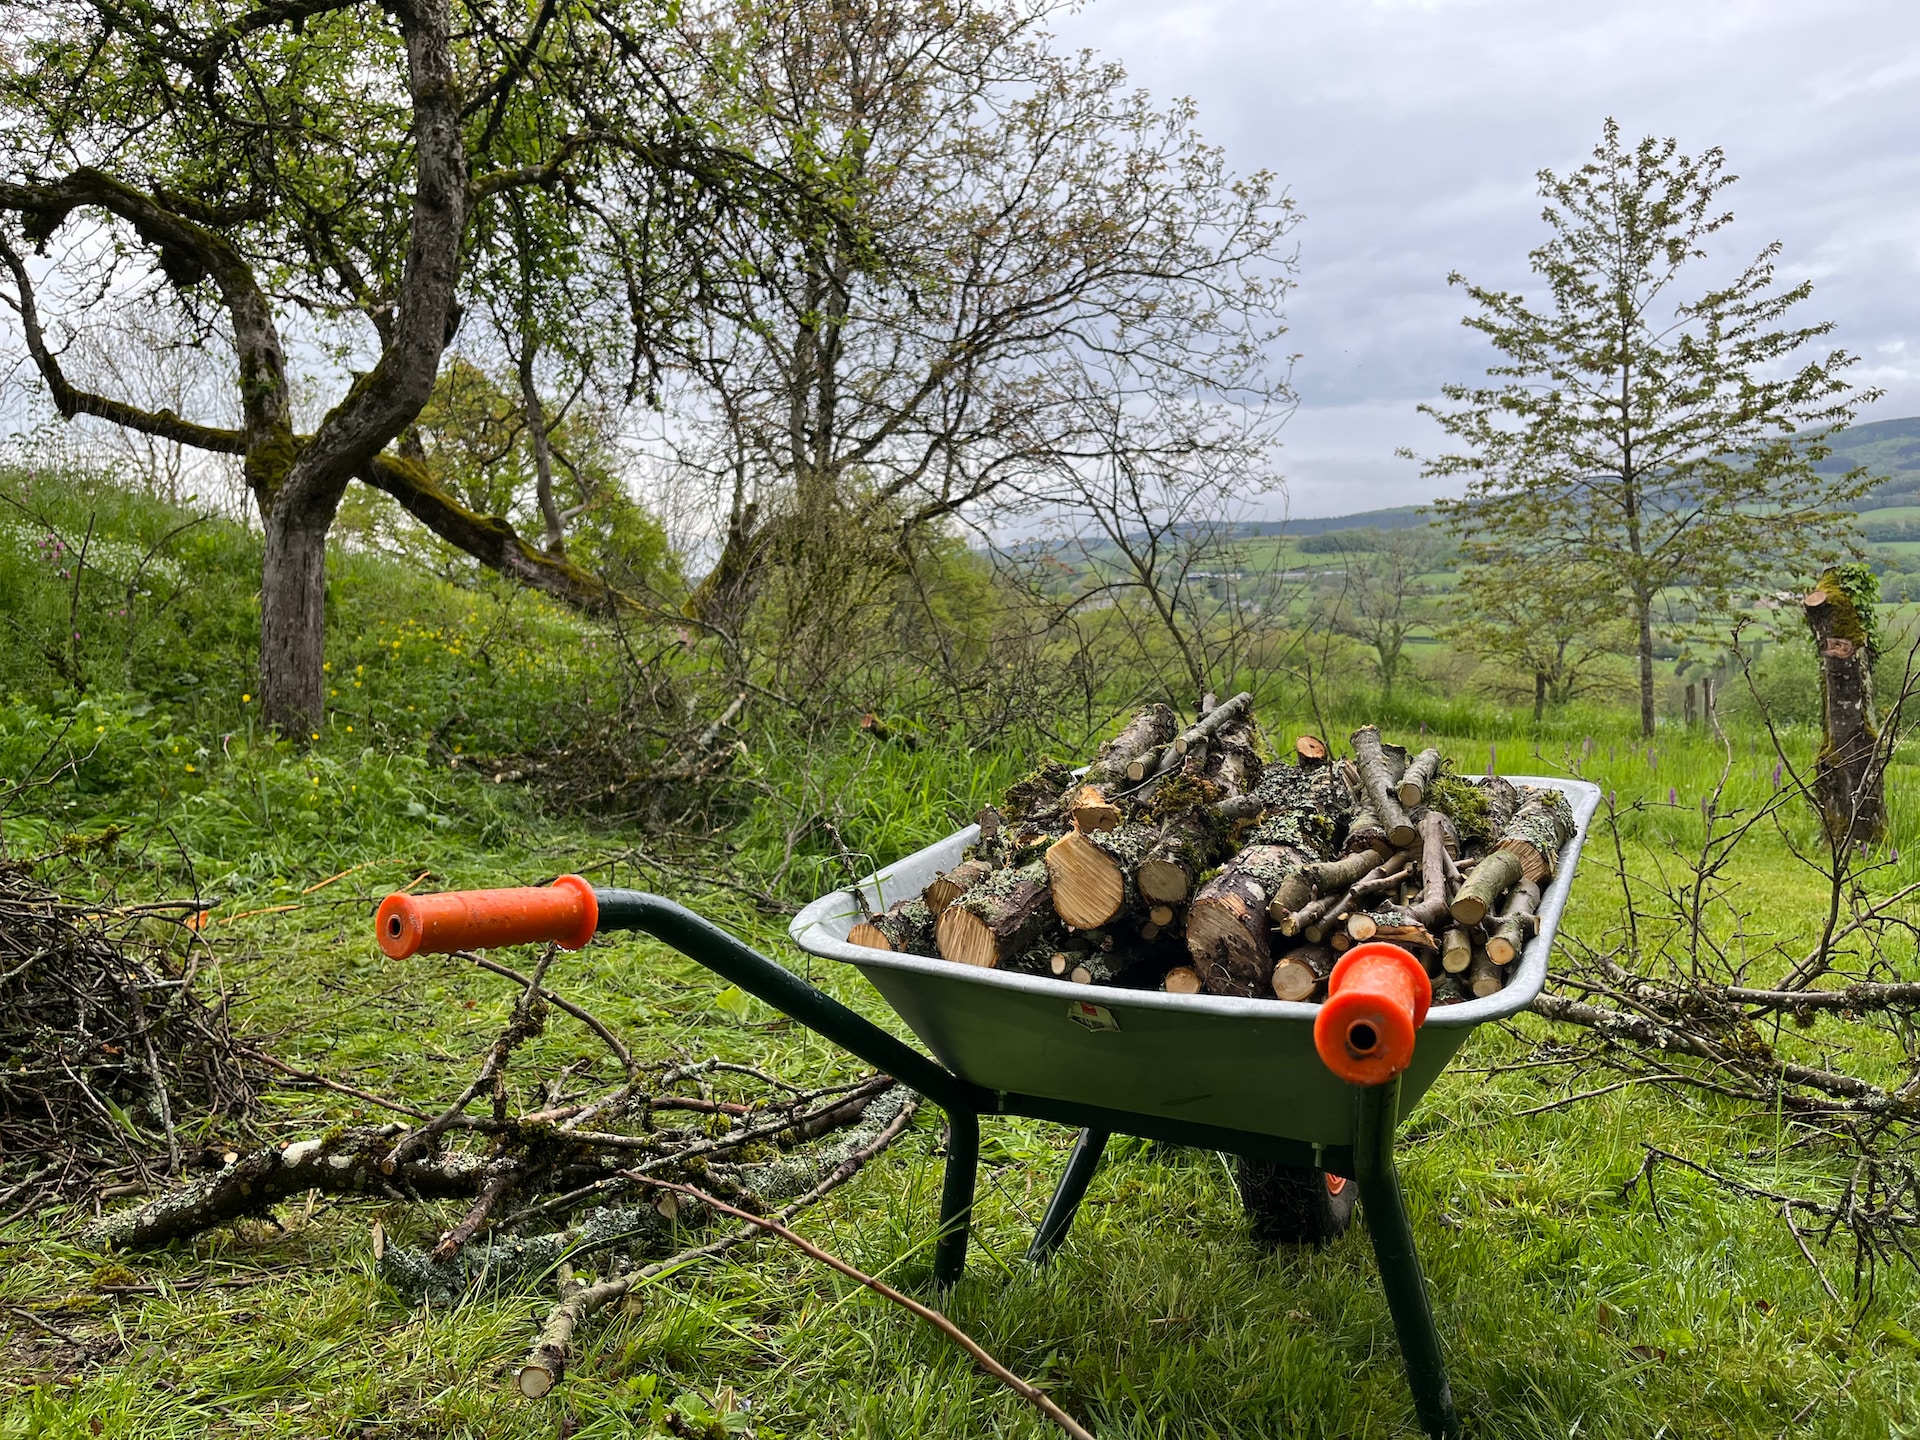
(1072, 1189)
(956, 1196)
(1393, 1250)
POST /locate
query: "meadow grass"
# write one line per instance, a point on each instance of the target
(1569, 1303)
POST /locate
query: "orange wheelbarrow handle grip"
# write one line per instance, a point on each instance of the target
(566, 912)
(1377, 997)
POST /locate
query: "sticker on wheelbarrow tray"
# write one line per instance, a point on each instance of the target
(1094, 1017)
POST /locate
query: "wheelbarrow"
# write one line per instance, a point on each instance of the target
(1235, 1075)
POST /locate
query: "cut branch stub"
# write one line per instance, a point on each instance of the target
(1089, 887)
(1420, 772)
(1090, 811)
(1310, 752)
(1378, 781)
(1302, 972)
(1518, 924)
(1494, 876)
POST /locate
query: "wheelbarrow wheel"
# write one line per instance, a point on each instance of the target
(1294, 1204)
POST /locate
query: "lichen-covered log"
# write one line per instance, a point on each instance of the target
(1302, 809)
(1518, 923)
(1380, 780)
(1228, 923)
(950, 885)
(1420, 772)
(1301, 974)
(1227, 713)
(1152, 729)
(1479, 810)
(1849, 778)
(1392, 925)
(998, 920)
(905, 927)
(1366, 834)
(1537, 832)
(346, 1162)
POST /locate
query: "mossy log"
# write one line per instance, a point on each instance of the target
(950, 885)
(1301, 974)
(1379, 781)
(1518, 923)
(1302, 809)
(1420, 772)
(997, 921)
(905, 928)
(1035, 798)
(1849, 776)
(1228, 923)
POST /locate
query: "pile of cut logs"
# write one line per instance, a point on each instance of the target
(1183, 859)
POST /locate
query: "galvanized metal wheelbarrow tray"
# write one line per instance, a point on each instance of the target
(1240, 1076)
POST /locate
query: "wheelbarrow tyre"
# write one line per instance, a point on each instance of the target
(1294, 1204)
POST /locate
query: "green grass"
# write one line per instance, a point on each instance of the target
(1567, 1305)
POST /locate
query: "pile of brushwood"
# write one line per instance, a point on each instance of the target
(595, 1174)
(115, 1067)
(1183, 860)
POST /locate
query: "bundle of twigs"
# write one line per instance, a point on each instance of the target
(112, 1061)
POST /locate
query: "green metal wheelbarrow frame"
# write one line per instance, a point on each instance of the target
(986, 1030)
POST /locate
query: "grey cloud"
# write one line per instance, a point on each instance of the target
(1410, 134)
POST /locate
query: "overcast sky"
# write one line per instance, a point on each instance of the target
(1410, 134)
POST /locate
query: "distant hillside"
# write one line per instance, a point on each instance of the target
(1886, 447)
(1400, 517)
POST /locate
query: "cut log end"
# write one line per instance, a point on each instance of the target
(1300, 974)
(534, 1381)
(1164, 882)
(869, 936)
(1182, 980)
(1091, 812)
(966, 939)
(1088, 885)
(1309, 751)
(1456, 952)
(1161, 915)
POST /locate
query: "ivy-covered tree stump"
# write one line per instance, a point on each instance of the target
(1849, 782)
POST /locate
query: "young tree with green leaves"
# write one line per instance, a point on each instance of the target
(1656, 432)
(1559, 629)
(1382, 594)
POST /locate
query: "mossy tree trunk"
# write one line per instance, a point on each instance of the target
(1849, 782)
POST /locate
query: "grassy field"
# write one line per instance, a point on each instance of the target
(1568, 1304)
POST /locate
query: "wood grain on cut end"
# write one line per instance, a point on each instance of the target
(1182, 981)
(1163, 881)
(1088, 884)
(868, 935)
(965, 938)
